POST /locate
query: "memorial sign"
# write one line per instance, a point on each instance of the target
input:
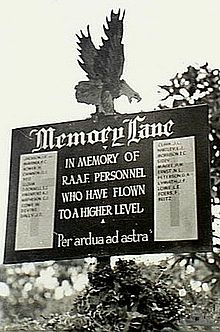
(114, 185)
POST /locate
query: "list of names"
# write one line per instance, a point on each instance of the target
(36, 200)
(175, 207)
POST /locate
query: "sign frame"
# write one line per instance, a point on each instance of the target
(116, 138)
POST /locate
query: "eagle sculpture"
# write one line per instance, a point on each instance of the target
(104, 67)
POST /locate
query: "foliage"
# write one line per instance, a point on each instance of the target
(28, 289)
(191, 280)
(198, 286)
(119, 299)
(124, 299)
(199, 85)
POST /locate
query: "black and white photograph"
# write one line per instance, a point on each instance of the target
(110, 168)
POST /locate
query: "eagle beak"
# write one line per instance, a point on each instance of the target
(138, 98)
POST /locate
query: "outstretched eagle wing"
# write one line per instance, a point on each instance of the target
(88, 53)
(105, 63)
(110, 60)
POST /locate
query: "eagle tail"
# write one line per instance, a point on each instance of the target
(89, 92)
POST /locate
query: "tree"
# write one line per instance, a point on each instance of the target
(201, 85)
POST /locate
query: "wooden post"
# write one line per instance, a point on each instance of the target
(104, 260)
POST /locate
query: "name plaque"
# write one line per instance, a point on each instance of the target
(36, 201)
(175, 200)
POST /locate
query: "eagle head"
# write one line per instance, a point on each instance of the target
(126, 90)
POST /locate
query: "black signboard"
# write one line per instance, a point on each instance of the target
(118, 184)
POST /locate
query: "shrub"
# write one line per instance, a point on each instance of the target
(120, 299)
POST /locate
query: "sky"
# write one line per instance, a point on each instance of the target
(38, 58)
